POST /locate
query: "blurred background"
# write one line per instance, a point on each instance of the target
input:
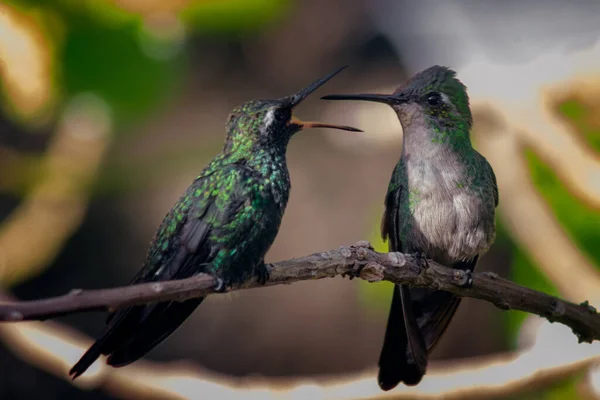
(109, 109)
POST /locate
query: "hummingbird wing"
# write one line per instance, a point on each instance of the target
(492, 177)
(181, 248)
(435, 308)
(403, 355)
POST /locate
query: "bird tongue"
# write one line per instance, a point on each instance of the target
(314, 124)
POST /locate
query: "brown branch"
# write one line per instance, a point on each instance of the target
(358, 260)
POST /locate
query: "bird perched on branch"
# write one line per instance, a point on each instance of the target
(222, 225)
(440, 204)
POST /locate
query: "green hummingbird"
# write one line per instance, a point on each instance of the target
(222, 225)
(440, 204)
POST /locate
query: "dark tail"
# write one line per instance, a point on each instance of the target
(133, 332)
(418, 319)
(403, 356)
(87, 359)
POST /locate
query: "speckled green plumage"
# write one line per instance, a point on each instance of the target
(233, 208)
(223, 224)
(247, 183)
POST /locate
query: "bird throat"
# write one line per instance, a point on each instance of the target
(425, 136)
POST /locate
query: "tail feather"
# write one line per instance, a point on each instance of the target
(153, 329)
(403, 357)
(434, 310)
(133, 332)
(418, 319)
(118, 323)
(86, 360)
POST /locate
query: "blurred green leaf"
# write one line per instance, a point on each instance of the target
(229, 16)
(579, 220)
(524, 272)
(37, 33)
(102, 52)
(579, 116)
(107, 59)
(565, 389)
(376, 296)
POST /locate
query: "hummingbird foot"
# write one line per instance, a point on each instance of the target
(262, 273)
(463, 278)
(220, 286)
(421, 260)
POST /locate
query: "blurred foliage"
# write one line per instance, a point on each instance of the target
(103, 56)
(232, 16)
(579, 220)
(131, 59)
(28, 68)
(132, 55)
(584, 120)
(524, 272)
(108, 61)
(565, 389)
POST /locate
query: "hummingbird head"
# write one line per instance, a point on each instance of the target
(434, 95)
(271, 122)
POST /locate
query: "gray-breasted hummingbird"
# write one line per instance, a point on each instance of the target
(440, 203)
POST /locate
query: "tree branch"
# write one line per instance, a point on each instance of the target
(358, 260)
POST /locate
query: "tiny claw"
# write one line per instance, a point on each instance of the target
(219, 286)
(583, 338)
(589, 307)
(421, 259)
(262, 273)
(463, 278)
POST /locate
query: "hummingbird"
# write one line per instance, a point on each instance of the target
(222, 225)
(440, 205)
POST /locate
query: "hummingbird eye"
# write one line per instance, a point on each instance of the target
(282, 115)
(434, 99)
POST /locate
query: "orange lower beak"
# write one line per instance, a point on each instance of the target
(312, 124)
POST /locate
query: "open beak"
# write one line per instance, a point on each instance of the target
(295, 99)
(379, 98)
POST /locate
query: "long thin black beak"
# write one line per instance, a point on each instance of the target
(297, 98)
(380, 98)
